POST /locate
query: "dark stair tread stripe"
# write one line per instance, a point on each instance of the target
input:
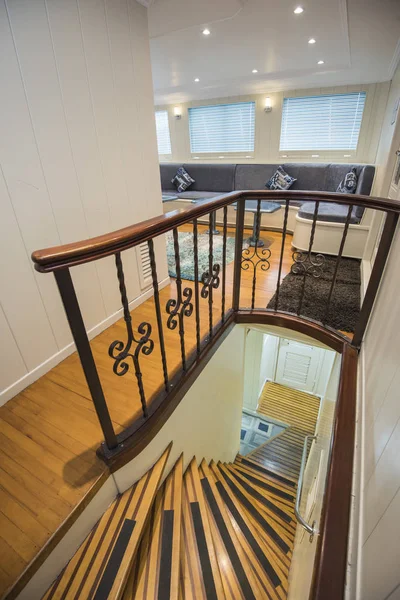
(263, 559)
(256, 514)
(270, 473)
(260, 498)
(204, 556)
(268, 487)
(227, 540)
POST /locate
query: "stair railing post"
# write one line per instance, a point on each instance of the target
(238, 253)
(77, 326)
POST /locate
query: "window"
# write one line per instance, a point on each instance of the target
(322, 122)
(222, 128)
(163, 137)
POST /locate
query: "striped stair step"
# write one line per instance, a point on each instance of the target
(100, 568)
(253, 465)
(155, 572)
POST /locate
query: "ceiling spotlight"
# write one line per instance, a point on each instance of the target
(321, 62)
(206, 31)
(255, 71)
(197, 80)
(311, 41)
(298, 10)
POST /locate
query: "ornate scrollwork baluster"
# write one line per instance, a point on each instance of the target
(210, 280)
(256, 256)
(182, 306)
(225, 224)
(278, 283)
(196, 284)
(307, 264)
(119, 351)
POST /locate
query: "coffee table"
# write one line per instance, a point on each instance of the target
(265, 207)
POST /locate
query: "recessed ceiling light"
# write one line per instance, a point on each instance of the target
(311, 41)
(321, 62)
(298, 10)
(206, 31)
(255, 71)
(197, 80)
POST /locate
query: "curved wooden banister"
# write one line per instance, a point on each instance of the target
(68, 255)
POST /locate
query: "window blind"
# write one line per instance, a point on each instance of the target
(222, 128)
(329, 122)
(163, 136)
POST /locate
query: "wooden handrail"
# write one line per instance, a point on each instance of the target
(68, 255)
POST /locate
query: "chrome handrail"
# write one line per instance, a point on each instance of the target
(311, 529)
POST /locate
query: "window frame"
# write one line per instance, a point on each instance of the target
(169, 155)
(221, 155)
(341, 155)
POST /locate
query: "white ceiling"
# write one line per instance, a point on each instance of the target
(359, 40)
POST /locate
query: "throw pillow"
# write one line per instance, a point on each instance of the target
(280, 180)
(348, 185)
(182, 180)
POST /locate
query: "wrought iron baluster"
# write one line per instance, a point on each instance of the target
(237, 272)
(339, 256)
(255, 256)
(181, 307)
(77, 326)
(224, 230)
(307, 264)
(210, 280)
(278, 283)
(158, 312)
(196, 284)
(144, 344)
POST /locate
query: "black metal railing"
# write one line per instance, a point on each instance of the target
(205, 305)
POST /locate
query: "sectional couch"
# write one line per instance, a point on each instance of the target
(215, 179)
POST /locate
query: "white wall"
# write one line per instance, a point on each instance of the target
(379, 549)
(206, 424)
(78, 158)
(301, 569)
(268, 126)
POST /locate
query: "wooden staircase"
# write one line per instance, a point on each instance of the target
(216, 531)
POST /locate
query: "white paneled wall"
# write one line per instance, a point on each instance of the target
(78, 158)
(380, 531)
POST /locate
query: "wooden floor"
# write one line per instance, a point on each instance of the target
(299, 410)
(49, 432)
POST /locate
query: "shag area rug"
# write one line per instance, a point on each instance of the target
(345, 303)
(186, 253)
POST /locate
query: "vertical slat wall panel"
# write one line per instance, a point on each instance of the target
(76, 142)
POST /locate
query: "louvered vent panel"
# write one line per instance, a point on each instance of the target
(296, 367)
(144, 265)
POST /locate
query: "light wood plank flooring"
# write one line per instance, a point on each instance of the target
(49, 432)
(299, 410)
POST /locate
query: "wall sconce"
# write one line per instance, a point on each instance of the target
(267, 104)
(177, 112)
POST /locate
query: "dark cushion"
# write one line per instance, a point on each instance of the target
(348, 185)
(310, 176)
(167, 173)
(213, 178)
(182, 180)
(253, 177)
(333, 213)
(365, 175)
(280, 180)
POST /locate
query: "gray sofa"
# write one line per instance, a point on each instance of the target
(214, 179)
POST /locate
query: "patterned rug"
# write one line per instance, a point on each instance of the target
(187, 256)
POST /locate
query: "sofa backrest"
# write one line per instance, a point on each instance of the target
(228, 177)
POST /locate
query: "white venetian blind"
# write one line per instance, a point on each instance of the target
(163, 137)
(222, 128)
(322, 122)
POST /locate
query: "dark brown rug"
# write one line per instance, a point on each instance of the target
(345, 303)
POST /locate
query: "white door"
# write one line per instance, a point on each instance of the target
(297, 365)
